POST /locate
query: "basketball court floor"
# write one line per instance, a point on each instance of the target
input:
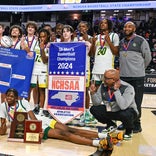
(142, 144)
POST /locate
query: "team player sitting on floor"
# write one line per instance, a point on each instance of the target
(52, 128)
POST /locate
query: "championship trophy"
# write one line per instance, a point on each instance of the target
(32, 131)
(17, 127)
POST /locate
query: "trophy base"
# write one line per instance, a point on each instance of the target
(15, 140)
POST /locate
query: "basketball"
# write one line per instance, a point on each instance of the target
(6, 42)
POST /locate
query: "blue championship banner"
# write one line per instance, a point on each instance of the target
(15, 70)
(66, 80)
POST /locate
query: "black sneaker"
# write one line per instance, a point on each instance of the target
(109, 129)
(128, 136)
(46, 113)
(121, 127)
(137, 129)
(36, 109)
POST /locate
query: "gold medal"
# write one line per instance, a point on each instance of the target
(124, 54)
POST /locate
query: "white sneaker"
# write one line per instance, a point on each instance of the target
(41, 112)
(82, 120)
(128, 136)
(109, 129)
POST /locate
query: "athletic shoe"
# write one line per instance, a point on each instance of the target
(109, 129)
(82, 120)
(106, 143)
(89, 118)
(121, 127)
(41, 112)
(93, 120)
(127, 136)
(36, 109)
(137, 129)
(46, 113)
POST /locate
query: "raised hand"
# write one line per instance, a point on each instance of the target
(93, 87)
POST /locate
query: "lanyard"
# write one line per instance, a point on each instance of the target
(126, 45)
(30, 42)
(111, 95)
(45, 46)
(14, 46)
(12, 111)
(102, 41)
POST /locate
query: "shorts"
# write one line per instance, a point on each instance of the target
(87, 79)
(40, 80)
(45, 136)
(98, 78)
(51, 126)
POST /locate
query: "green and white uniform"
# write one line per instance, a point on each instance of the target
(104, 59)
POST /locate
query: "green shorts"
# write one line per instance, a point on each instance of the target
(51, 126)
(45, 137)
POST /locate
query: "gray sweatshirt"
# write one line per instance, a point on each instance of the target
(135, 59)
(123, 97)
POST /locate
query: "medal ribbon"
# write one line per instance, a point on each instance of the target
(14, 46)
(11, 115)
(45, 46)
(111, 95)
(102, 42)
(30, 42)
(127, 45)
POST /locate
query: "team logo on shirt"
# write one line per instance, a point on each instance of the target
(134, 44)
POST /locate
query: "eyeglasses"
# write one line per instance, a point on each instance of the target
(108, 78)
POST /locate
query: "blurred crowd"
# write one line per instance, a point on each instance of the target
(147, 29)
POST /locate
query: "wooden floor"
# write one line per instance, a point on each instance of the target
(142, 144)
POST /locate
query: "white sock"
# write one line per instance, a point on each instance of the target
(87, 110)
(96, 143)
(102, 135)
(41, 110)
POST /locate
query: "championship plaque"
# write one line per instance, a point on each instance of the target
(17, 127)
(33, 128)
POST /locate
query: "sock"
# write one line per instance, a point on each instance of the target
(96, 143)
(102, 135)
(87, 110)
(41, 110)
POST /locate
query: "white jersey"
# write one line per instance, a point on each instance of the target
(104, 59)
(17, 45)
(40, 68)
(31, 44)
(8, 112)
(45, 121)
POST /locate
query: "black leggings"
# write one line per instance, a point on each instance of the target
(127, 116)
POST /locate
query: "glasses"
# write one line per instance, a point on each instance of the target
(108, 78)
